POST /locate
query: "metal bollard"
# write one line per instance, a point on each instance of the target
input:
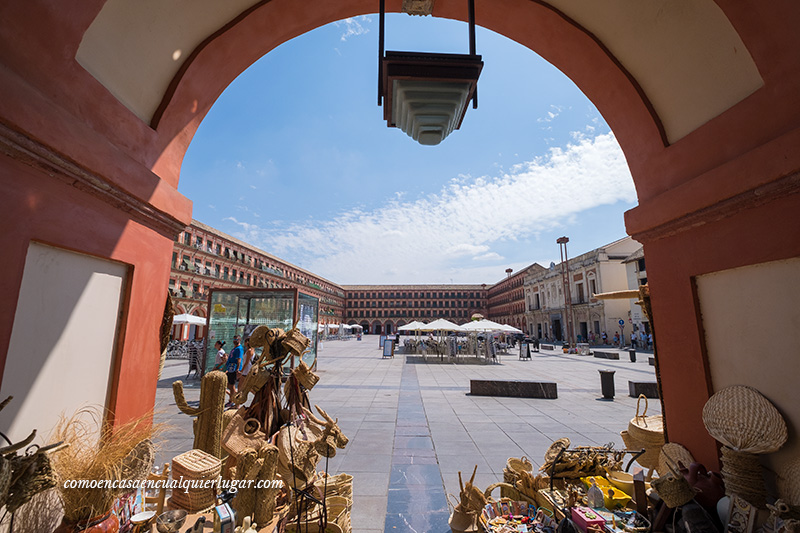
(607, 383)
(632, 353)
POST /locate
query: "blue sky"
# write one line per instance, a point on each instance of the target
(295, 158)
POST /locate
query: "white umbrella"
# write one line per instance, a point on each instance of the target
(189, 319)
(412, 326)
(510, 329)
(483, 325)
(441, 325)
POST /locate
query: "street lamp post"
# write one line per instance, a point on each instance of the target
(562, 248)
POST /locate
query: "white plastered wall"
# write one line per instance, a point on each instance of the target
(751, 319)
(62, 346)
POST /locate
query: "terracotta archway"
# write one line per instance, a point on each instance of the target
(716, 173)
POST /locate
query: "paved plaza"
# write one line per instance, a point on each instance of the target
(413, 425)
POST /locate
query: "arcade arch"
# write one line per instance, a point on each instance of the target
(700, 95)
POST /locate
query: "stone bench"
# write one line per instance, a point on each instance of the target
(648, 388)
(514, 389)
(547, 347)
(606, 355)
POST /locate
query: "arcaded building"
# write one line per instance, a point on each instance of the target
(384, 308)
(204, 258)
(507, 298)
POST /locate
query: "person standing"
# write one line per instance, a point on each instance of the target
(249, 356)
(233, 366)
(222, 357)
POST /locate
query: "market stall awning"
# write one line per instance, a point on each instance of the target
(189, 319)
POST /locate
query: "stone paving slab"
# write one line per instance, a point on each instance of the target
(442, 430)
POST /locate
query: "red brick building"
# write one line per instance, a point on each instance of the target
(384, 308)
(204, 258)
(506, 298)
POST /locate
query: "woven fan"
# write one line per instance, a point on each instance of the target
(741, 418)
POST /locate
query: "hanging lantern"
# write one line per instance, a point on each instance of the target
(426, 94)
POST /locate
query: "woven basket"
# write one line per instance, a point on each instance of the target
(519, 465)
(674, 490)
(649, 459)
(648, 430)
(195, 465)
(674, 453)
(741, 418)
(789, 483)
(511, 474)
(242, 433)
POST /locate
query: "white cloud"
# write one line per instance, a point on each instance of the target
(490, 256)
(353, 27)
(433, 238)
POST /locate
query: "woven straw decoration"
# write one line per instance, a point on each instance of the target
(649, 430)
(552, 452)
(672, 452)
(305, 376)
(295, 342)
(208, 424)
(789, 483)
(258, 338)
(741, 418)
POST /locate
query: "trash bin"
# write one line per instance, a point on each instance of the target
(607, 383)
(632, 353)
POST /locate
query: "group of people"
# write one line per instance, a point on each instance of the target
(236, 364)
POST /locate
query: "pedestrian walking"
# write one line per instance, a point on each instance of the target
(233, 366)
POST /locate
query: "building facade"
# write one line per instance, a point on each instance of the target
(506, 303)
(600, 270)
(384, 308)
(204, 258)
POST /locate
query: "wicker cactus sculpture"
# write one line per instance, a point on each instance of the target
(208, 421)
(256, 468)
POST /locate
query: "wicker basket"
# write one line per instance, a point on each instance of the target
(648, 430)
(789, 483)
(674, 490)
(511, 473)
(242, 433)
(649, 459)
(195, 466)
(741, 418)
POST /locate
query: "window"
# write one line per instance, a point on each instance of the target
(198, 242)
(640, 264)
(187, 238)
(592, 287)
